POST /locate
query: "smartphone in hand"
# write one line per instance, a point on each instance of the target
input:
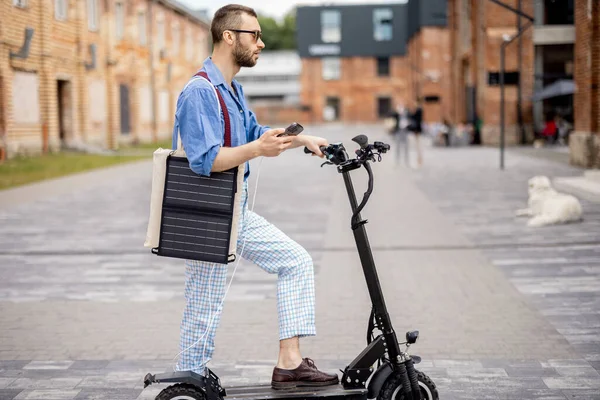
(292, 130)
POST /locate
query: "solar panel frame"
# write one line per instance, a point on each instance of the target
(197, 213)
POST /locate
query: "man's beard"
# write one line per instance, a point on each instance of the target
(243, 57)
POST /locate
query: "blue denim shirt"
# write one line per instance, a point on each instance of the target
(202, 127)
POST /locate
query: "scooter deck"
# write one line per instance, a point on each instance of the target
(259, 392)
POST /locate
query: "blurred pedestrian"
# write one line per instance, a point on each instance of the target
(400, 122)
(416, 127)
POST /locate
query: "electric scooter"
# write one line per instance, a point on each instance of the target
(381, 371)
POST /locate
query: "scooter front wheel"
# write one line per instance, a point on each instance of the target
(392, 388)
(181, 391)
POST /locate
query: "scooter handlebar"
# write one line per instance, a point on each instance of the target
(307, 150)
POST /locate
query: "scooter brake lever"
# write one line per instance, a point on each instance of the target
(326, 163)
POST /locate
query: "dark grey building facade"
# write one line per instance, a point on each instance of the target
(364, 29)
(352, 30)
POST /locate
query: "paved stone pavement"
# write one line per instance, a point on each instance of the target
(505, 312)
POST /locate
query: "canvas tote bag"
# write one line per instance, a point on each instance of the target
(192, 216)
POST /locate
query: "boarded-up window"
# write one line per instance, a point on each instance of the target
(142, 32)
(26, 98)
(175, 39)
(163, 106)
(97, 100)
(119, 20)
(92, 14)
(160, 33)
(189, 45)
(60, 9)
(145, 100)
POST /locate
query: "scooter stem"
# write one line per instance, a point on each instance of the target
(370, 271)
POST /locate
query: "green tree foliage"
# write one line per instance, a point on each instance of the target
(278, 35)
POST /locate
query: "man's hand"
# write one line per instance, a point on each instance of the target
(313, 143)
(269, 145)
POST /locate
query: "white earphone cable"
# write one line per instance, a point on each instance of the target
(232, 275)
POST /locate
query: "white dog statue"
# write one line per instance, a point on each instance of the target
(547, 206)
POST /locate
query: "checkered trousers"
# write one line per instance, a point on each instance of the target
(205, 284)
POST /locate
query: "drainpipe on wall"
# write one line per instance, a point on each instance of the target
(520, 67)
(152, 73)
(43, 78)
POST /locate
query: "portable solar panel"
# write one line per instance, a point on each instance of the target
(197, 213)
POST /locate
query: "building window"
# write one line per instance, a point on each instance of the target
(189, 45)
(119, 21)
(510, 78)
(382, 24)
(464, 25)
(559, 12)
(384, 106)
(331, 26)
(331, 68)
(383, 66)
(176, 38)
(92, 10)
(142, 32)
(20, 3)
(160, 33)
(331, 112)
(60, 9)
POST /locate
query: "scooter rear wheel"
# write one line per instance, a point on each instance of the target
(181, 391)
(392, 388)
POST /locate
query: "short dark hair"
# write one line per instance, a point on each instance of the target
(228, 17)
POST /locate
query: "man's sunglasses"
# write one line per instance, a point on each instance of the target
(257, 34)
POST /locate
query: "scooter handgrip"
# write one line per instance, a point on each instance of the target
(322, 148)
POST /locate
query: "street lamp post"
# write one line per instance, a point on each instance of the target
(507, 40)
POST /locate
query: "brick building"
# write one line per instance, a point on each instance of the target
(562, 44)
(429, 58)
(477, 31)
(585, 141)
(96, 72)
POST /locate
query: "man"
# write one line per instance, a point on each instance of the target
(417, 128)
(400, 114)
(237, 42)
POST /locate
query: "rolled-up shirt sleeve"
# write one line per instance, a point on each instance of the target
(200, 128)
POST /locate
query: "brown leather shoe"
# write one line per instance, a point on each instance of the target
(306, 375)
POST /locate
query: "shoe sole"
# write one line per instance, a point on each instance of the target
(301, 384)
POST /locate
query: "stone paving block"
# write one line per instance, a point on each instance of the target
(588, 372)
(458, 364)
(529, 371)
(52, 383)
(89, 364)
(99, 394)
(566, 363)
(582, 394)
(149, 393)
(572, 382)
(13, 364)
(9, 394)
(49, 365)
(4, 382)
(49, 394)
(109, 382)
(475, 373)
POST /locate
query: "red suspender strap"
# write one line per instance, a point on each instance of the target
(223, 108)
